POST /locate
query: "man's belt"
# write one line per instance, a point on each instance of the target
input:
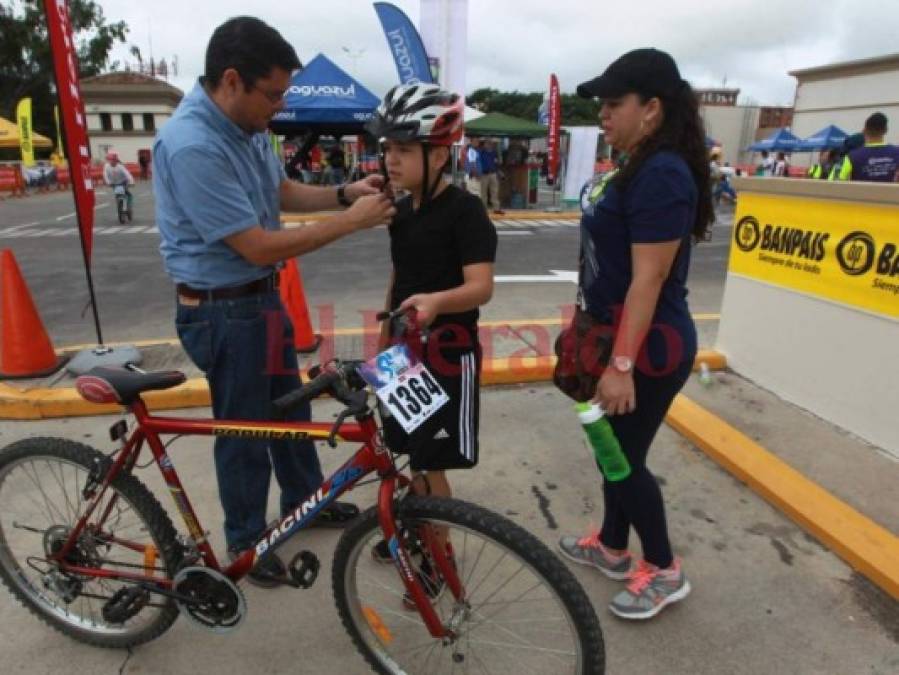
(264, 285)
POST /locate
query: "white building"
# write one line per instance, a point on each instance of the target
(845, 94)
(124, 112)
(734, 126)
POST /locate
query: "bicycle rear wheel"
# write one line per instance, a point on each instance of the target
(524, 610)
(41, 483)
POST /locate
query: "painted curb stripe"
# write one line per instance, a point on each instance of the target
(41, 403)
(858, 540)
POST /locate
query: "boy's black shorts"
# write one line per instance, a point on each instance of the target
(449, 439)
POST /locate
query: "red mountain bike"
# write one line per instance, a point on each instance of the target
(87, 547)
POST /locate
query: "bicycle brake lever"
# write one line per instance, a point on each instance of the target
(341, 418)
(359, 404)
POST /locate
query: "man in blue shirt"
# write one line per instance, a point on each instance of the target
(489, 181)
(219, 190)
(877, 161)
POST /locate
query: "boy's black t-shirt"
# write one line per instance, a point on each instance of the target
(430, 247)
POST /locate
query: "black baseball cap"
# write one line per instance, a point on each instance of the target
(649, 71)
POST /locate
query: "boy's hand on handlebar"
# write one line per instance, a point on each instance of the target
(371, 210)
(426, 307)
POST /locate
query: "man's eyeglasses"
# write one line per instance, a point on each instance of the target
(274, 97)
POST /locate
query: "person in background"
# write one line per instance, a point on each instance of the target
(337, 166)
(781, 166)
(877, 161)
(851, 143)
(766, 168)
(822, 168)
(115, 173)
(144, 162)
(472, 169)
(489, 163)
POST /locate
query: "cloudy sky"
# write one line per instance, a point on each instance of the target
(515, 44)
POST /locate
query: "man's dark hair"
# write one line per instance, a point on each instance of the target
(876, 124)
(251, 47)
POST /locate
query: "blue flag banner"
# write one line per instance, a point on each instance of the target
(405, 44)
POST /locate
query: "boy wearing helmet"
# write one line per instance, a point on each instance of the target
(115, 173)
(442, 245)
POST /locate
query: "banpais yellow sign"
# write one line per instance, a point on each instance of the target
(841, 251)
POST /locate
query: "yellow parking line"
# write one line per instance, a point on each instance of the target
(865, 545)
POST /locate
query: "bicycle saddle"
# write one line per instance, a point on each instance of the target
(120, 385)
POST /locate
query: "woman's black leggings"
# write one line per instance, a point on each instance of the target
(637, 500)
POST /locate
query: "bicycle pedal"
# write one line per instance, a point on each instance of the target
(303, 569)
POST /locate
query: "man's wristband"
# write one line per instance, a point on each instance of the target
(341, 196)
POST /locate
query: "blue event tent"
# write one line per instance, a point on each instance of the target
(829, 137)
(781, 140)
(324, 98)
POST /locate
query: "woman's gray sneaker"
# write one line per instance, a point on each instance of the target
(590, 551)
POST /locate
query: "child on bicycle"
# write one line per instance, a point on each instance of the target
(442, 245)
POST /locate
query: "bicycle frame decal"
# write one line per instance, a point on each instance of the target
(269, 432)
(187, 513)
(309, 507)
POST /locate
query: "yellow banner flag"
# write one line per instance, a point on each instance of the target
(60, 150)
(23, 117)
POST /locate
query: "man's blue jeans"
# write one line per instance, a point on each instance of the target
(245, 348)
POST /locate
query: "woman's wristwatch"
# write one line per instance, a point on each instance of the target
(341, 196)
(622, 364)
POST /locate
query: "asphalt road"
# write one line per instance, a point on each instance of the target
(135, 296)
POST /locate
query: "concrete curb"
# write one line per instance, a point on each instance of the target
(43, 403)
(862, 543)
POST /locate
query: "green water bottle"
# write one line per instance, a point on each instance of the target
(606, 449)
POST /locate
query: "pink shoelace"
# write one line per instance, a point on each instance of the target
(642, 576)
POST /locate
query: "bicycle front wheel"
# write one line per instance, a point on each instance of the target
(523, 610)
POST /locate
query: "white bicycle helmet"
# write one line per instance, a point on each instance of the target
(419, 112)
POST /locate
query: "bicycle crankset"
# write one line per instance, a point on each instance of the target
(124, 604)
(216, 602)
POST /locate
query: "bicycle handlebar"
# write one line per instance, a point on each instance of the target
(341, 379)
(308, 391)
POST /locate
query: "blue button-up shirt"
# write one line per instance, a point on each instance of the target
(212, 179)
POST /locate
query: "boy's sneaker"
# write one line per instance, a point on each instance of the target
(651, 589)
(269, 572)
(589, 550)
(380, 552)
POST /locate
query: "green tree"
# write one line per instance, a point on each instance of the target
(26, 63)
(575, 110)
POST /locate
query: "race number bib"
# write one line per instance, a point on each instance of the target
(405, 387)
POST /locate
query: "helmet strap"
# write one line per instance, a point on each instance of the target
(429, 187)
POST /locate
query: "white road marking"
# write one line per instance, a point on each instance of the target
(554, 276)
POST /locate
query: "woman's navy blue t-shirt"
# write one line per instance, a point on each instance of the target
(658, 205)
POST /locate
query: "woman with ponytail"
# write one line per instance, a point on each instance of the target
(637, 231)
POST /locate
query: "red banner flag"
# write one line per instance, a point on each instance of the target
(74, 122)
(555, 127)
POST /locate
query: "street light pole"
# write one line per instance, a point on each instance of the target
(354, 55)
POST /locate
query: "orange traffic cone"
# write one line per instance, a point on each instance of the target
(25, 347)
(294, 300)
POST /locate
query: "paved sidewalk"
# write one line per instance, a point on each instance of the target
(767, 598)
